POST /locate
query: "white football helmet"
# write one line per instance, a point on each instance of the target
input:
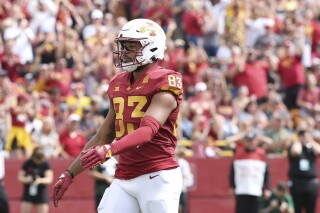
(151, 37)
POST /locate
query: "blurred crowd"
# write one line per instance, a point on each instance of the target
(248, 65)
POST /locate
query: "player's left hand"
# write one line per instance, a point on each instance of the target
(95, 156)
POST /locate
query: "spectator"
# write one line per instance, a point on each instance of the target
(88, 123)
(160, 12)
(235, 28)
(10, 61)
(312, 29)
(200, 133)
(227, 109)
(60, 77)
(185, 122)
(291, 72)
(303, 174)
(187, 179)
(253, 113)
(78, 100)
(6, 87)
(72, 139)
(309, 97)
(247, 70)
(270, 40)
(178, 56)
(215, 80)
(60, 120)
(42, 14)
(200, 103)
(23, 40)
(210, 31)
(279, 133)
(94, 30)
(178, 8)
(249, 175)
(242, 99)
(280, 200)
(192, 22)
(47, 49)
(48, 139)
(18, 143)
(197, 64)
(35, 175)
(256, 24)
(4, 203)
(274, 103)
(316, 129)
(315, 68)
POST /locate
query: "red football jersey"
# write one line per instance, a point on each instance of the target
(130, 102)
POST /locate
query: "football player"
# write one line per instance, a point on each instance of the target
(140, 128)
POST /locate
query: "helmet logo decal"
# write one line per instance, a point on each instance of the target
(144, 29)
(149, 29)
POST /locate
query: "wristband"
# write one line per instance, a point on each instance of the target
(72, 176)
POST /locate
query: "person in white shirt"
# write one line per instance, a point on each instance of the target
(188, 179)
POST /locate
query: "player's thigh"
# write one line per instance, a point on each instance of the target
(161, 194)
(116, 200)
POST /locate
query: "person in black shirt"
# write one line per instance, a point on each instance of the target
(303, 173)
(35, 175)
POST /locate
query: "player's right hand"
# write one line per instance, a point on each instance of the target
(61, 187)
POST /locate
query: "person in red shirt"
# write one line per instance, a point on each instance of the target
(251, 73)
(140, 128)
(72, 139)
(160, 11)
(10, 61)
(192, 22)
(315, 67)
(291, 71)
(309, 96)
(60, 78)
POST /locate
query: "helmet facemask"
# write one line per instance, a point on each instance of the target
(129, 58)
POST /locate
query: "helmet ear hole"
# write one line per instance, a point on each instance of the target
(153, 49)
(153, 58)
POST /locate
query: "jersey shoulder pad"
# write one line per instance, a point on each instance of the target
(166, 80)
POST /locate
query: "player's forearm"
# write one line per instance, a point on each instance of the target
(148, 128)
(134, 139)
(75, 168)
